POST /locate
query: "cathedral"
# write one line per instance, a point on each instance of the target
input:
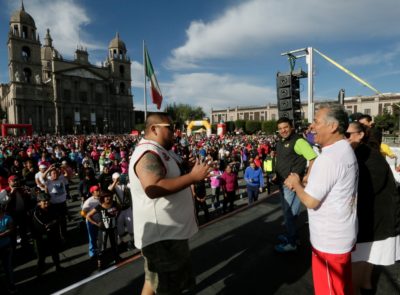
(63, 96)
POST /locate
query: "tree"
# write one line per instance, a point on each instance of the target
(230, 126)
(182, 112)
(240, 124)
(140, 127)
(386, 121)
(269, 127)
(253, 126)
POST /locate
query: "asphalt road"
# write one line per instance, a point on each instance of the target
(233, 254)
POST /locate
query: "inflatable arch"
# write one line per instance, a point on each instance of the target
(25, 128)
(199, 123)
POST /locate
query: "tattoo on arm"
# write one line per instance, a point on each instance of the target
(152, 164)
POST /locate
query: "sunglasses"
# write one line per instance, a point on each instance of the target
(348, 134)
(169, 126)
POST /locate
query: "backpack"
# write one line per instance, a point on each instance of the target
(127, 199)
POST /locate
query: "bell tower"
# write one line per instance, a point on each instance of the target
(120, 67)
(24, 63)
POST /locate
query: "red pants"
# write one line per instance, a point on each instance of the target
(331, 273)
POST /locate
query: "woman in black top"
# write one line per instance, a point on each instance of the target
(46, 232)
(378, 210)
(108, 211)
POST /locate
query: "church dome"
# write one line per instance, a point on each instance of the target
(21, 16)
(117, 43)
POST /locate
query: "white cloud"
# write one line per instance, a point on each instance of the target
(374, 58)
(137, 73)
(209, 90)
(66, 20)
(256, 25)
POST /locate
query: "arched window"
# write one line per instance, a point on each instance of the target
(121, 70)
(24, 32)
(16, 31)
(122, 88)
(28, 75)
(26, 53)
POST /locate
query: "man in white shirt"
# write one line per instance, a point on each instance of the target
(331, 198)
(163, 208)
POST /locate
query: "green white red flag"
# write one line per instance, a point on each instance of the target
(155, 89)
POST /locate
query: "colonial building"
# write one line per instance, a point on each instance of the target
(371, 105)
(64, 96)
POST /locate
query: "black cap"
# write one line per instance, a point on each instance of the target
(42, 196)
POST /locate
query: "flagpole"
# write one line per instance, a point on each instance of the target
(144, 94)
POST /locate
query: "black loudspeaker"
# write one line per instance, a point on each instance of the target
(283, 92)
(285, 104)
(283, 81)
(290, 114)
(288, 95)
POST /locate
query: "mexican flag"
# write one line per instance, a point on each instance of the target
(155, 89)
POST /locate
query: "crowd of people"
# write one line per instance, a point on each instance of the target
(139, 192)
(37, 173)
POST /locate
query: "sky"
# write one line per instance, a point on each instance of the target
(226, 53)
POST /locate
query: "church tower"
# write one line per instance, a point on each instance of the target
(24, 63)
(120, 67)
(48, 53)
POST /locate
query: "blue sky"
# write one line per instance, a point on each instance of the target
(226, 53)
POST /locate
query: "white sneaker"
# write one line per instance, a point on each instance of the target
(283, 248)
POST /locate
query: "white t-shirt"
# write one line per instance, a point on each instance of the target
(333, 181)
(39, 177)
(170, 217)
(90, 204)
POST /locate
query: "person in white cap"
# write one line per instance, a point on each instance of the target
(125, 220)
(40, 182)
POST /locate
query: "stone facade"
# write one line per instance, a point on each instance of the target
(56, 95)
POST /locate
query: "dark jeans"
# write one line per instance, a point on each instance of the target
(62, 211)
(21, 223)
(102, 237)
(202, 205)
(269, 177)
(252, 193)
(6, 260)
(291, 208)
(46, 245)
(229, 198)
(215, 196)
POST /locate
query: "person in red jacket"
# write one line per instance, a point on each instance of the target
(229, 185)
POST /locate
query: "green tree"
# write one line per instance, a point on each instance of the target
(253, 126)
(269, 127)
(230, 126)
(240, 124)
(386, 121)
(140, 127)
(396, 114)
(183, 112)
